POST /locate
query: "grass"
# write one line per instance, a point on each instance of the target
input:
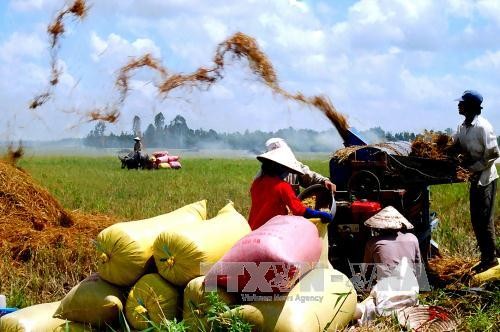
(99, 185)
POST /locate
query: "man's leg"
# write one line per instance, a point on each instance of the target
(482, 200)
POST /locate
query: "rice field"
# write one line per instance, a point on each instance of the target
(97, 185)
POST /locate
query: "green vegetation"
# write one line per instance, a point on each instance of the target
(99, 185)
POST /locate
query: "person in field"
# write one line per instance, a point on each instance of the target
(137, 150)
(391, 243)
(271, 195)
(307, 177)
(476, 141)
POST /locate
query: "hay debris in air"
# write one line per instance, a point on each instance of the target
(56, 29)
(13, 154)
(237, 46)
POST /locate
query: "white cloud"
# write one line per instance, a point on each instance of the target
(489, 9)
(486, 62)
(116, 48)
(216, 30)
(29, 5)
(25, 45)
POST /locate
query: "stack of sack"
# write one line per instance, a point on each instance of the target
(163, 160)
(128, 288)
(154, 269)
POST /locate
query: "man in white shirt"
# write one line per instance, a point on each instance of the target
(476, 140)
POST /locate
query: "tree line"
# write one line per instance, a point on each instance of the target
(177, 135)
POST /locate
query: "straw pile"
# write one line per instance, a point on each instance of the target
(344, 153)
(451, 271)
(431, 145)
(56, 29)
(30, 218)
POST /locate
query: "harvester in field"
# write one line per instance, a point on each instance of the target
(371, 177)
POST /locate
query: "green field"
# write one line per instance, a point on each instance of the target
(99, 185)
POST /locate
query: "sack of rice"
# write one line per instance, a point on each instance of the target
(270, 259)
(195, 304)
(164, 165)
(180, 254)
(152, 299)
(92, 301)
(125, 249)
(38, 318)
(323, 300)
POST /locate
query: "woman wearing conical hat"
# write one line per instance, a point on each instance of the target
(272, 195)
(387, 249)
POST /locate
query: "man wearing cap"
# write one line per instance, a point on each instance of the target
(304, 179)
(391, 244)
(477, 142)
(272, 196)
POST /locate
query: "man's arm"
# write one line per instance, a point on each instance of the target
(310, 178)
(491, 152)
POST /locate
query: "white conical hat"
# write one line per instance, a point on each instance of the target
(137, 138)
(275, 142)
(283, 156)
(388, 218)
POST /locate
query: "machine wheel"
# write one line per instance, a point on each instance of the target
(363, 184)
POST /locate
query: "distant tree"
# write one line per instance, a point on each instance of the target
(96, 136)
(159, 121)
(149, 135)
(136, 126)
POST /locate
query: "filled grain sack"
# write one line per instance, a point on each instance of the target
(323, 300)
(162, 159)
(164, 165)
(92, 301)
(157, 154)
(195, 303)
(175, 164)
(152, 299)
(173, 158)
(38, 318)
(125, 249)
(270, 258)
(181, 254)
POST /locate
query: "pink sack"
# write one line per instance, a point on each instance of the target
(270, 259)
(162, 159)
(157, 154)
(175, 164)
(173, 158)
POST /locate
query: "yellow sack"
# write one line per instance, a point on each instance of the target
(92, 301)
(194, 303)
(180, 253)
(37, 318)
(490, 275)
(152, 299)
(125, 249)
(324, 299)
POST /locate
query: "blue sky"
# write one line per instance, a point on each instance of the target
(397, 64)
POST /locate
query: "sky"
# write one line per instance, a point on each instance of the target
(397, 64)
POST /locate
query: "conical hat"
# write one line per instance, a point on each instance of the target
(283, 156)
(388, 218)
